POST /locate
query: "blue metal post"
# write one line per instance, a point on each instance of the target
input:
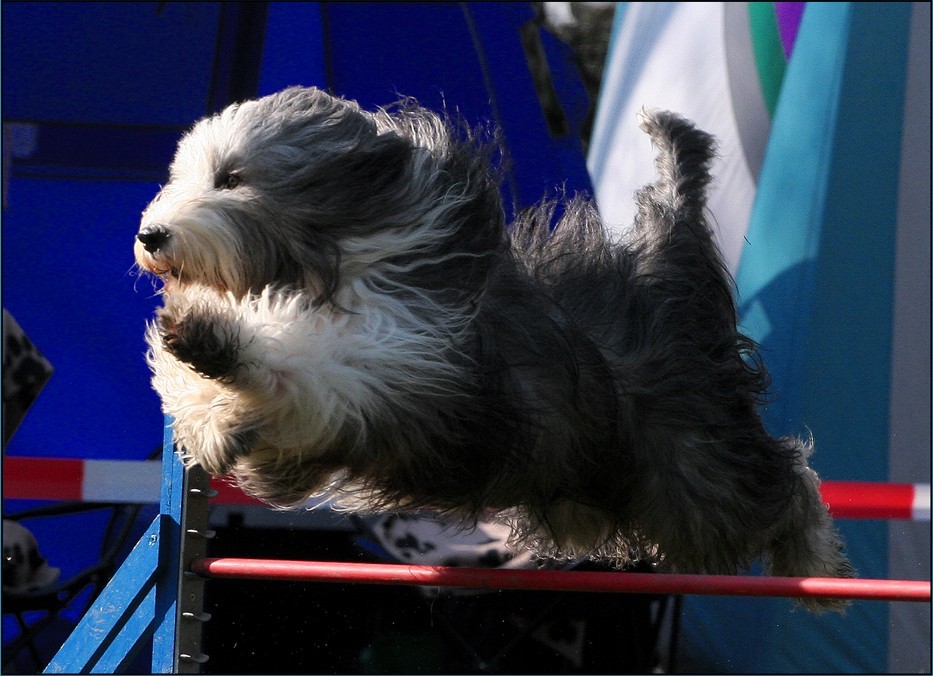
(143, 595)
(120, 607)
(164, 653)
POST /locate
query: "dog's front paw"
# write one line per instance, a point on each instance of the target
(209, 344)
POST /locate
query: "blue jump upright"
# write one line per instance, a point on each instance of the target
(143, 597)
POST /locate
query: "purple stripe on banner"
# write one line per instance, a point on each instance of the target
(788, 18)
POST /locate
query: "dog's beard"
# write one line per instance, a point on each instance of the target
(226, 250)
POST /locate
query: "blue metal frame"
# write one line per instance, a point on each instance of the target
(142, 596)
(172, 505)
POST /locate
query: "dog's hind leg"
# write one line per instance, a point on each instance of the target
(805, 542)
(695, 382)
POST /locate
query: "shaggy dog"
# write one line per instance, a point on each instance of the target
(347, 315)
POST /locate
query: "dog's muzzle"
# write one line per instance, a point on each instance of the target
(153, 238)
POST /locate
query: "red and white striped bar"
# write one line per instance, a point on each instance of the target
(875, 500)
(138, 481)
(81, 480)
(579, 581)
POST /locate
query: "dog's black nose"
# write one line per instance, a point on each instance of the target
(153, 238)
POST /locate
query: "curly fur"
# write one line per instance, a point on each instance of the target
(347, 314)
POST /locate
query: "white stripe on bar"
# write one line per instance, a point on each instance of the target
(920, 510)
(122, 481)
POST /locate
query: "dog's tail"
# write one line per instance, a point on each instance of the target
(670, 221)
(677, 256)
(684, 156)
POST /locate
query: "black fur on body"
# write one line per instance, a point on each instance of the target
(596, 393)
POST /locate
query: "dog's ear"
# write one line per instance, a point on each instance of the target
(354, 186)
(348, 193)
(374, 166)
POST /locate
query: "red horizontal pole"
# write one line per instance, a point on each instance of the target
(581, 581)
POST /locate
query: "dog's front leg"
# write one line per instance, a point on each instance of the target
(262, 372)
(196, 354)
(205, 337)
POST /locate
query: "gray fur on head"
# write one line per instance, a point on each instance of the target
(346, 314)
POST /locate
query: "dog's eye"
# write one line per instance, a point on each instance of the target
(229, 181)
